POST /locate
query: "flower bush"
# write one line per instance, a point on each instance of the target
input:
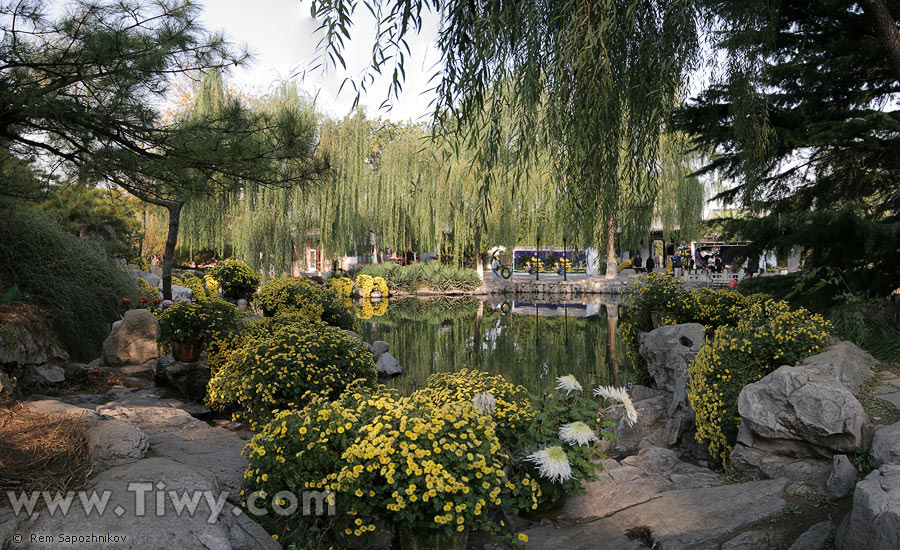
(140, 263)
(274, 369)
(285, 293)
(205, 320)
(767, 334)
(146, 289)
(381, 286)
(194, 283)
(364, 284)
(342, 285)
(236, 279)
(627, 264)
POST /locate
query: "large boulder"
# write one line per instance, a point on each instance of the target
(844, 362)
(874, 521)
(190, 379)
(132, 340)
(801, 411)
(113, 442)
(27, 338)
(388, 365)
(669, 351)
(133, 517)
(181, 293)
(379, 348)
(886, 446)
(45, 375)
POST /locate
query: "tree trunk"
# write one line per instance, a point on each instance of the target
(174, 209)
(885, 28)
(612, 320)
(612, 266)
(479, 264)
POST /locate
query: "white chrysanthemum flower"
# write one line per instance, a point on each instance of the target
(619, 395)
(577, 433)
(552, 463)
(568, 383)
(485, 403)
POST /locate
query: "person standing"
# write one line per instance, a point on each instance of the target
(495, 266)
(650, 263)
(676, 265)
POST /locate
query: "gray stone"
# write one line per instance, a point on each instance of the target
(242, 303)
(180, 293)
(200, 530)
(9, 525)
(380, 347)
(176, 435)
(751, 540)
(886, 446)
(45, 375)
(27, 338)
(842, 478)
(669, 351)
(812, 413)
(844, 362)
(649, 430)
(6, 387)
(758, 463)
(152, 279)
(113, 442)
(678, 519)
(814, 538)
(388, 365)
(132, 340)
(640, 393)
(190, 379)
(57, 409)
(874, 521)
(156, 270)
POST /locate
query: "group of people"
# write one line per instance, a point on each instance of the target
(685, 262)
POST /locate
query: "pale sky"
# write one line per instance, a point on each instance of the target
(280, 34)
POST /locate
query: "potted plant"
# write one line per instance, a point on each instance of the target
(235, 279)
(184, 326)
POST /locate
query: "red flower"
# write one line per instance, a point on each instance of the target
(143, 299)
(156, 301)
(126, 301)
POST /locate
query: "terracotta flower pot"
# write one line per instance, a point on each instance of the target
(187, 351)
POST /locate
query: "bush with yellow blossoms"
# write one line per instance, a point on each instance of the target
(364, 285)
(205, 320)
(766, 335)
(286, 293)
(342, 285)
(235, 278)
(275, 369)
(437, 469)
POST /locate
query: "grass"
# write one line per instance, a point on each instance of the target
(40, 453)
(71, 280)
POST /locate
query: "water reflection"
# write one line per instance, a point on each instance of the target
(528, 342)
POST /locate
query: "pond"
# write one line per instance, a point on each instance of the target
(529, 343)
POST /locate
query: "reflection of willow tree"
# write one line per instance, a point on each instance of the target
(436, 336)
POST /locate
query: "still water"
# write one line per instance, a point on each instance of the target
(529, 343)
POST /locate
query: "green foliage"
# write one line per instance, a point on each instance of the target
(285, 293)
(208, 320)
(194, 283)
(275, 369)
(77, 285)
(146, 290)
(140, 262)
(874, 327)
(768, 334)
(236, 279)
(433, 275)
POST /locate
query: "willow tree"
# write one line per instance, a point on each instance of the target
(594, 82)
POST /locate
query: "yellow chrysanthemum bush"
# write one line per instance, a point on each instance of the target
(196, 285)
(432, 469)
(381, 286)
(364, 284)
(767, 334)
(285, 293)
(208, 320)
(236, 279)
(273, 370)
(342, 285)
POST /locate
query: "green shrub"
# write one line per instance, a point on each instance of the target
(194, 283)
(147, 290)
(284, 293)
(78, 286)
(433, 275)
(140, 262)
(236, 279)
(206, 320)
(274, 370)
(768, 334)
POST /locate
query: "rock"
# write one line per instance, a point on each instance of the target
(176, 435)
(113, 442)
(669, 351)
(844, 362)
(751, 540)
(57, 409)
(678, 519)
(648, 431)
(758, 463)
(156, 270)
(180, 293)
(6, 387)
(810, 413)
(886, 446)
(27, 338)
(388, 365)
(132, 340)
(242, 303)
(45, 375)
(874, 521)
(842, 478)
(380, 347)
(152, 279)
(190, 379)
(138, 520)
(814, 538)
(635, 480)
(9, 525)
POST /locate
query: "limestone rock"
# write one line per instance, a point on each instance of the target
(200, 530)
(27, 338)
(758, 463)
(842, 478)
(669, 351)
(814, 538)
(52, 407)
(388, 365)
(813, 413)
(648, 431)
(844, 362)
(113, 442)
(9, 525)
(874, 521)
(190, 379)
(751, 540)
(133, 339)
(45, 375)
(886, 446)
(6, 387)
(380, 347)
(181, 293)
